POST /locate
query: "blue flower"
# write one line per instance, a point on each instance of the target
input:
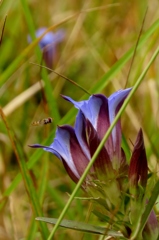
(75, 146)
(117, 190)
(48, 44)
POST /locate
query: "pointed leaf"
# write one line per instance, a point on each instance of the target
(83, 227)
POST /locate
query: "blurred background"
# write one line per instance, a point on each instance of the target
(93, 36)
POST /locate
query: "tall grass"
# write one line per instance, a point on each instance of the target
(100, 39)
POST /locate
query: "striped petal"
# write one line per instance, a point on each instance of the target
(101, 111)
(80, 132)
(90, 108)
(67, 148)
(102, 161)
(115, 102)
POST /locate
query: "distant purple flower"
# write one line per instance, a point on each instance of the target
(48, 44)
(75, 146)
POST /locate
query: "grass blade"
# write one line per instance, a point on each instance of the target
(83, 227)
(19, 153)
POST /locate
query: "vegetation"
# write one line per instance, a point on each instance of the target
(101, 38)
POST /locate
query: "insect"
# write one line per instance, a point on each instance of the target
(42, 122)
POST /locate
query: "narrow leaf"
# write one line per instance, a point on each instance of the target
(83, 227)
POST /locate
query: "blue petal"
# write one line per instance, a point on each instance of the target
(50, 37)
(61, 148)
(90, 108)
(80, 132)
(48, 149)
(115, 101)
(61, 145)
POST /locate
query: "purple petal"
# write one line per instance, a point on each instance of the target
(67, 148)
(48, 149)
(50, 37)
(61, 148)
(101, 111)
(68, 169)
(103, 123)
(115, 101)
(90, 108)
(80, 132)
(102, 161)
(79, 158)
(61, 145)
(138, 169)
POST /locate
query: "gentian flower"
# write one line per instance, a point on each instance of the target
(75, 146)
(48, 44)
(117, 190)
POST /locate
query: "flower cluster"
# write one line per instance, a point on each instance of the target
(117, 190)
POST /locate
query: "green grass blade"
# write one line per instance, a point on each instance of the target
(41, 192)
(19, 153)
(83, 227)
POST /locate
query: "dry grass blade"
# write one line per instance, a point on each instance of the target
(136, 46)
(3, 30)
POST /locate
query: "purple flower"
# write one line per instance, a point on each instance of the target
(75, 146)
(118, 190)
(48, 44)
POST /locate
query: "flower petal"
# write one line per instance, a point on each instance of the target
(138, 169)
(61, 148)
(81, 133)
(115, 101)
(90, 108)
(102, 161)
(71, 173)
(96, 111)
(66, 144)
(78, 157)
(103, 123)
(46, 148)
(50, 37)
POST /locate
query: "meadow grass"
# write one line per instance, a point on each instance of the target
(100, 39)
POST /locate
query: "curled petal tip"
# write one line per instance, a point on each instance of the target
(35, 146)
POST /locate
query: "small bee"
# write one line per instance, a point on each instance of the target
(42, 122)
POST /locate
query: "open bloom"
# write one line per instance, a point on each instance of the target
(117, 190)
(48, 44)
(75, 146)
